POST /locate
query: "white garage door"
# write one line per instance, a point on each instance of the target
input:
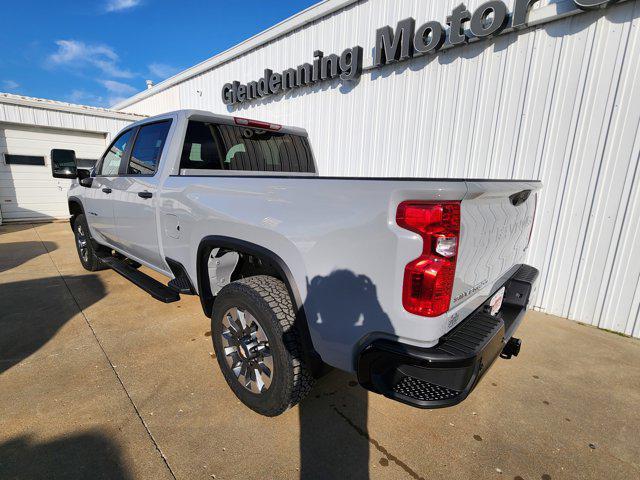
(29, 192)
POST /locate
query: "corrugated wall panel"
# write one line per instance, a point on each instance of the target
(28, 115)
(560, 103)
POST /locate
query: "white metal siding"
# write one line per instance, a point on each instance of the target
(30, 126)
(29, 192)
(560, 103)
(29, 115)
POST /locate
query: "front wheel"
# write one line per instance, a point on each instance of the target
(258, 345)
(86, 252)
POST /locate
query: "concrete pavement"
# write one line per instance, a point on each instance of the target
(98, 380)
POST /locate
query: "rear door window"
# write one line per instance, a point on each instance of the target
(147, 148)
(234, 148)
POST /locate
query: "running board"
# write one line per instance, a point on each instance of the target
(150, 285)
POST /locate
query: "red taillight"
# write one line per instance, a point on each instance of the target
(245, 122)
(428, 280)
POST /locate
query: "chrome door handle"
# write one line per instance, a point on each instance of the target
(107, 190)
(145, 194)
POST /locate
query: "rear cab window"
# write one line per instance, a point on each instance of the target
(209, 146)
(147, 148)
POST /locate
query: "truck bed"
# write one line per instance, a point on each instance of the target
(339, 238)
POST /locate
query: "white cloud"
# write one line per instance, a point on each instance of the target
(115, 100)
(76, 54)
(119, 5)
(162, 70)
(86, 98)
(10, 85)
(118, 87)
(115, 93)
(118, 91)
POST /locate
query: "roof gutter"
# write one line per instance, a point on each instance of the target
(69, 108)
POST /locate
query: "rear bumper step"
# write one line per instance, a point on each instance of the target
(446, 374)
(150, 285)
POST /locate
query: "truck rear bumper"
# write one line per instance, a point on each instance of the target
(446, 374)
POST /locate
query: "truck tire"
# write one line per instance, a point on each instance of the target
(86, 252)
(258, 345)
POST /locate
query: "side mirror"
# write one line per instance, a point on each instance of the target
(63, 164)
(86, 182)
(83, 173)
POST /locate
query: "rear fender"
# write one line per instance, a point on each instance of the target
(276, 263)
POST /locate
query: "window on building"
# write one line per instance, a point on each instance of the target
(147, 148)
(23, 159)
(228, 147)
(113, 158)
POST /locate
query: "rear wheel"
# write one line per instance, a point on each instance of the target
(257, 345)
(86, 252)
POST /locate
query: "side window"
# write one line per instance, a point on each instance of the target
(147, 148)
(200, 149)
(113, 158)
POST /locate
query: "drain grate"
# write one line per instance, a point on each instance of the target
(421, 390)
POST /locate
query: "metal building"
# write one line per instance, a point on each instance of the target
(557, 99)
(29, 129)
(553, 97)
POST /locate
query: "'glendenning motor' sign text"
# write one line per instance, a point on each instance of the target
(490, 19)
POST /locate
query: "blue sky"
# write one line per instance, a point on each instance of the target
(96, 53)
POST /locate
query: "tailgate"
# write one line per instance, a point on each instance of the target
(496, 222)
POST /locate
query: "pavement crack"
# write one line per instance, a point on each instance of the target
(389, 456)
(95, 336)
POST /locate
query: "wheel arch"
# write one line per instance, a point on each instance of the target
(274, 261)
(241, 246)
(75, 209)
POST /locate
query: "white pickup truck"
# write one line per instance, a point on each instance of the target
(416, 285)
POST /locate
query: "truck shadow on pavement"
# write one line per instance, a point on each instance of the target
(34, 310)
(333, 430)
(14, 254)
(88, 455)
(334, 440)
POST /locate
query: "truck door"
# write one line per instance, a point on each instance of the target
(136, 195)
(100, 198)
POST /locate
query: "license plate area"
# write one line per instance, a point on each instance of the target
(495, 304)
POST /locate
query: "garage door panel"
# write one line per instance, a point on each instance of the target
(24, 170)
(41, 211)
(29, 191)
(27, 172)
(31, 196)
(27, 183)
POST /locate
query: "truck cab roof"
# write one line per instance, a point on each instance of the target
(204, 115)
